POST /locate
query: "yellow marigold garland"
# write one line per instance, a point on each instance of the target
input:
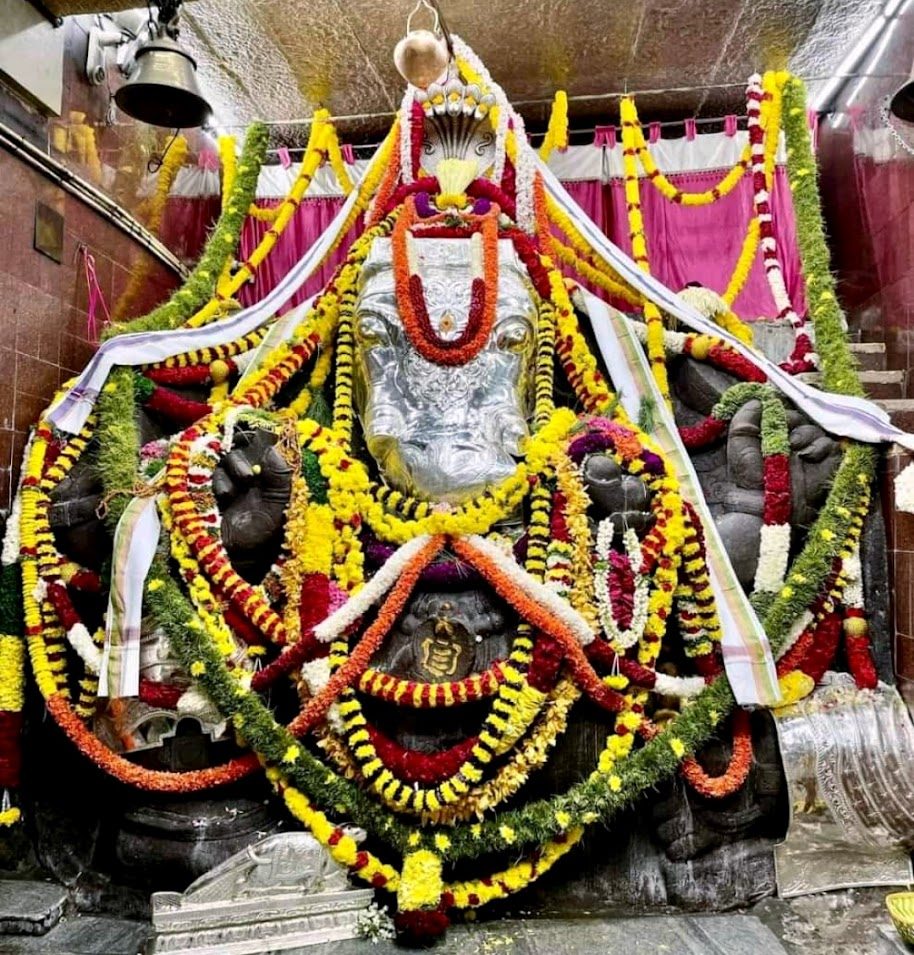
(655, 350)
(557, 130)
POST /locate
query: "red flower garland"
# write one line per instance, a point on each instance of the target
(411, 294)
(182, 411)
(374, 636)
(859, 650)
(411, 766)
(732, 780)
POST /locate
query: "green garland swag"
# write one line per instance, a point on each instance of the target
(839, 369)
(118, 438)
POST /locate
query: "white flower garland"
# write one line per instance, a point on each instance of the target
(684, 687)
(853, 573)
(81, 640)
(770, 261)
(534, 589)
(796, 631)
(774, 553)
(359, 604)
(673, 342)
(620, 640)
(406, 134)
(904, 490)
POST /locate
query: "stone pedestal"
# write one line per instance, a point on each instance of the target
(282, 892)
(28, 907)
(274, 923)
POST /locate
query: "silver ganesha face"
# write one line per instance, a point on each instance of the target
(444, 433)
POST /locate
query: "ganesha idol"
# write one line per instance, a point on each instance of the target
(452, 555)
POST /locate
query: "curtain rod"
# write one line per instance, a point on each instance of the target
(579, 98)
(580, 131)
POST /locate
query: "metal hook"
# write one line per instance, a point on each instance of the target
(433, 9)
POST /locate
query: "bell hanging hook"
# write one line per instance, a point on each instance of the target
(440, 25)
(420, 5)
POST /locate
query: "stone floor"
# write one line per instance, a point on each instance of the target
(853, 922)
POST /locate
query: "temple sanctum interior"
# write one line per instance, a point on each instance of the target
(456, 477)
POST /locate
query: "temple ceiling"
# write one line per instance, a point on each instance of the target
(279, 59)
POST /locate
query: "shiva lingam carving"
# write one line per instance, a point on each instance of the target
(423, 544)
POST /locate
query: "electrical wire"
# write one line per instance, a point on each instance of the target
(155, 162)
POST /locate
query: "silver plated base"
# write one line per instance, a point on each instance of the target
(258, 925)
(849, 759)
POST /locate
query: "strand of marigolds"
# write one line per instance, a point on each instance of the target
(315, 152)
(516, 705)
(802, 358)
(673, 193)
(652, 317)
(34, 531)
(557, 129)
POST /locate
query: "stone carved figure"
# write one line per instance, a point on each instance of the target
(281, 863)
(432, 437)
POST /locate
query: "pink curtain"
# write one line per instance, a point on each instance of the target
(702, 243)
(187, 223)
(886, 196)
(686, 244)
(311, 219)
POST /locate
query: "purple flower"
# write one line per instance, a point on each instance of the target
(653, 464)
(589, 443)
(424, 205)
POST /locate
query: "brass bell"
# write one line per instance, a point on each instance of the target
(163, 90)
(421, 57)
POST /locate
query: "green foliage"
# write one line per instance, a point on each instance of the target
(646, 413)
(11, 599)
(837, 362)
(118, 442)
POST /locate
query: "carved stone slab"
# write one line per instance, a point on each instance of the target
(282, 892)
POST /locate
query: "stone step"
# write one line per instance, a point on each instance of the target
(901, 411)
(675, 934)
(29, 907)
(878, 384)
(83, 935)
(870, 355)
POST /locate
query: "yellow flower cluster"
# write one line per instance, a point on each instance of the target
(477, 892)
(345, 850)
(351, 494)
(557, 130)
(571, 486)
(770, 117)
(229, 284)
(12, 673)
(420, 881)
(655, 351)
